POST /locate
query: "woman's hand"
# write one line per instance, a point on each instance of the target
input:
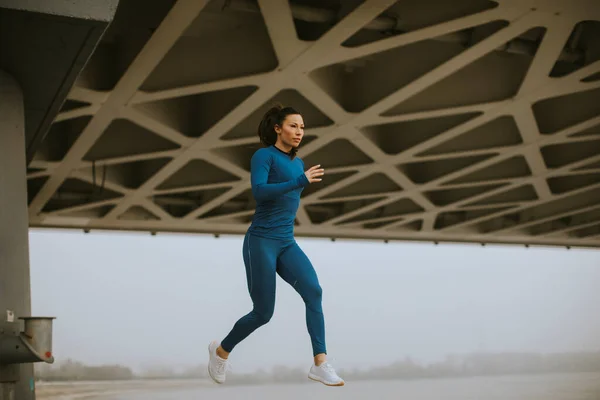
(313, 174)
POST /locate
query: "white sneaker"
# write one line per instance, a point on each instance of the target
(325, 374)
(217, 366)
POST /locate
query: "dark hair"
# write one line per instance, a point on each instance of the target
(275, 116)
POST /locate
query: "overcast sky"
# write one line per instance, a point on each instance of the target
(140, 300)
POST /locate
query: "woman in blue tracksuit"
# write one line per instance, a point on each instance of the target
(278, 178)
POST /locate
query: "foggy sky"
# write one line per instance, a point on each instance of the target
(140, 300)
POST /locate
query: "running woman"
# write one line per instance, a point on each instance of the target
(278, 178)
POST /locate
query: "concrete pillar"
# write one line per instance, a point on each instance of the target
(16, 381)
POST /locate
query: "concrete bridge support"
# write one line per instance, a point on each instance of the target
(44, 45)
(16, 380)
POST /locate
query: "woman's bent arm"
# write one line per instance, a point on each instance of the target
(259, 173)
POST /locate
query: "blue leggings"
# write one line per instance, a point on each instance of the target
(264, 258)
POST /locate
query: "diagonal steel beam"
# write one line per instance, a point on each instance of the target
(174, 24)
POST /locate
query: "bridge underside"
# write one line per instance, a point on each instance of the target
(463, 120)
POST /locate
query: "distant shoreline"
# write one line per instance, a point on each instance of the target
(454, 366)
(74, 390)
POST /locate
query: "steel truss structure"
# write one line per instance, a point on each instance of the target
(436, 120)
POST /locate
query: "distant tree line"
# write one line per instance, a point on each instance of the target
(476, 364)
(479, 364)
(70, 370)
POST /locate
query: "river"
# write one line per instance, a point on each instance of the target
(580, 386)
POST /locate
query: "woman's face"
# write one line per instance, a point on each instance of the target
(291, 132)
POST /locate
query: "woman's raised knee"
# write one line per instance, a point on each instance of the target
(263, 317)
(313, 293)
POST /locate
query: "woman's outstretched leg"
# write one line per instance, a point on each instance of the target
(260, 259)
(297, 270)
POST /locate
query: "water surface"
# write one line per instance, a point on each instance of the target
(531, 387)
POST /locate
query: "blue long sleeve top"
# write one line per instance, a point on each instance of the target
(277, 182)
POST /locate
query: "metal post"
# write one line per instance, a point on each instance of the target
(17, 380)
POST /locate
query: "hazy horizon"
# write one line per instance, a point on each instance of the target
(141, 300)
